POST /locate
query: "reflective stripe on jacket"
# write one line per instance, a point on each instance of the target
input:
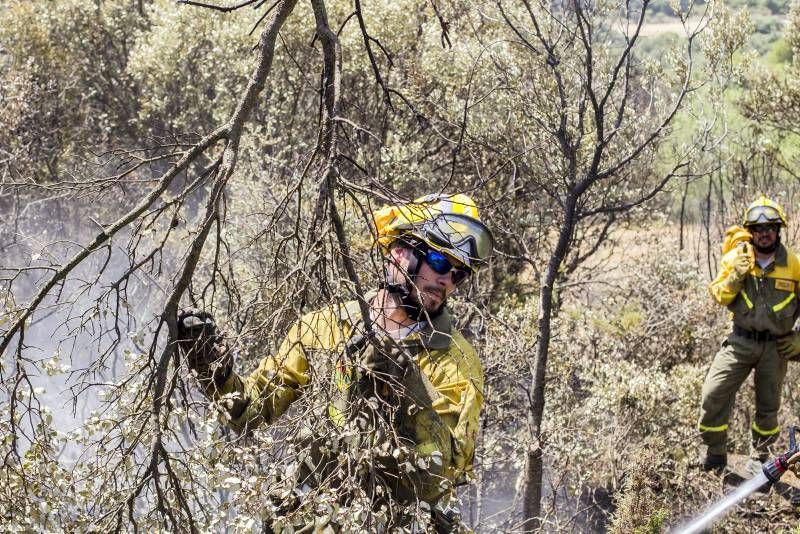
(444, 356)
(767, 299)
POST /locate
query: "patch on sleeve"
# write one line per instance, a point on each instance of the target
(784, 285)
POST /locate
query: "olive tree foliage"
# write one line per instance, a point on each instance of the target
(769, 102)
(64, 76)
(772, 96)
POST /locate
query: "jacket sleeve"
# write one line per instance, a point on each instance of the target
(724, 288)
(794, 262)
(269, 390)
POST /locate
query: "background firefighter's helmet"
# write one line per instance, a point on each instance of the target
(447, 223)
(764, 211)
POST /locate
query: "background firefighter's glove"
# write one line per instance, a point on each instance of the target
(383, 358)
(789, 346)
(203, 346)
(743, 262)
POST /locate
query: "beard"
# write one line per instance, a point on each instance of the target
(433, 309)
(769, 249)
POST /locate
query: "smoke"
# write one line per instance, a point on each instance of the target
(75, 343)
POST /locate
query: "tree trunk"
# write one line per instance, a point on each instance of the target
(710, 263)
(534, 456)
(683, 213)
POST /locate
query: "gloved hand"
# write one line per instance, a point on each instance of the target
(203, 346)
(743, 262)
(789, 346)
(384, 358)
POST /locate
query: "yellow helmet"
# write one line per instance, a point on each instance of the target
(764, 211)
(447, 223)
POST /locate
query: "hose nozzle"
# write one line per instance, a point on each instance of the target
(775, 468)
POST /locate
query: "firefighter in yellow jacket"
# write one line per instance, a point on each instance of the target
(758, 282)
(409, 352)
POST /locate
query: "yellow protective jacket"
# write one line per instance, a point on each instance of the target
(443, 355)
(766, 300)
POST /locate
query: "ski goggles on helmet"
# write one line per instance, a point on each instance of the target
(762, 215)
(441, 264)
(463, 238)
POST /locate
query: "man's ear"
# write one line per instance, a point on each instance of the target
(403, 258)
(399, 255)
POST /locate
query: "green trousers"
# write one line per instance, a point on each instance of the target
(731, 366)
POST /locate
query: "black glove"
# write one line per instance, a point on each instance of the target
(203, 346)
(789, 346)
(385, 359)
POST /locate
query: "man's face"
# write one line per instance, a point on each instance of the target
(430, 289)
(764, 236)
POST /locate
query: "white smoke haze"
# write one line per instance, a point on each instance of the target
(65, 338)
(79, 381)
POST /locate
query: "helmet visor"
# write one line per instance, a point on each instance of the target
(465, 238)
(762, 215)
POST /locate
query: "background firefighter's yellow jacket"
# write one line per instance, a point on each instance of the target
(443, 355)
(764, 300)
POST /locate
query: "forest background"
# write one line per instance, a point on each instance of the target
(155, 155)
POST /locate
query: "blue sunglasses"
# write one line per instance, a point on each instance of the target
(441, 264)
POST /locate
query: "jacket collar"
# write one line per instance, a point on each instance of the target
(781, 256)
(435, 335)
(779, 259)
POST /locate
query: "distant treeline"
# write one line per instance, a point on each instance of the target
(774, 7)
